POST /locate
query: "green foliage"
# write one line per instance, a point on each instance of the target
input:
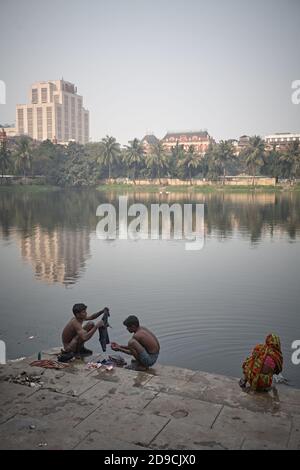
(109, 153)
(23, 151)
(254, 154)
(77, 169)
(4, 158)
(85, 165)
(158, 161)
(189, 161)
(134, 156)
(290, 161)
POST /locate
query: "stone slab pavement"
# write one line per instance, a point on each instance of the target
(165, 408)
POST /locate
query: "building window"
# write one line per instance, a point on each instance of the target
(44, 95)
(49, 123)
(73, 130)
(51, 92)
(58, 118)
(86, 127)
(30, 121)
(39, 115)
(35, 97)
(66, 110)
(80, 120)
(21, 121)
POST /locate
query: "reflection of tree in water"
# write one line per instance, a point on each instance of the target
(72, 209)
(252, 215)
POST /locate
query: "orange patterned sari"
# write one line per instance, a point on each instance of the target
(253, 365)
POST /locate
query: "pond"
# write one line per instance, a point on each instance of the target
(208, 307)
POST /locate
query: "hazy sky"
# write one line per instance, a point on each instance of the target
(157, 65)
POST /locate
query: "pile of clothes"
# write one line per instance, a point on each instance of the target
(108, 364)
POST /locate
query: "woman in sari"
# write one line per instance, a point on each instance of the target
(265, 361)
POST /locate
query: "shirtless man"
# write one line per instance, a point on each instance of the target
(75, 335)
(143, 345)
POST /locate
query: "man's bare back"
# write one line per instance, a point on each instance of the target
(143, 345)
(147, 339)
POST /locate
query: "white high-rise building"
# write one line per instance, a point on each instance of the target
(55, 112)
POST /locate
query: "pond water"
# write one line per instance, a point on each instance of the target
(208, 307)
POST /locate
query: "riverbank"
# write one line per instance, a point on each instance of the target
(28, 188)
(131, 188)
(194, 189)
(167, 408)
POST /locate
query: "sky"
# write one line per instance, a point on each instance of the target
(152, 66)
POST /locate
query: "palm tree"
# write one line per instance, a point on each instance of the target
(254, 155)
(4, 158)
(223, 155)
(133, 155)
(109, 152)
(23, 154)
(190, 160)
(177, 154)
(290, 161)
(157, 161)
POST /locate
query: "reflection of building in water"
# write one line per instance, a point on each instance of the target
(57, 256)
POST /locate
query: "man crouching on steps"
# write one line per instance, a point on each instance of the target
(75, 335)
(144, 346)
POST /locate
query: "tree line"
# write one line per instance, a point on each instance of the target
(85, 165)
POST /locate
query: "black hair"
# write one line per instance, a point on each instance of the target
(78, 308)
(132, 320)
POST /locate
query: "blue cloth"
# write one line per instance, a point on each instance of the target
(147, 359)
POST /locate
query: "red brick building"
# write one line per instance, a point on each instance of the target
(200, 140)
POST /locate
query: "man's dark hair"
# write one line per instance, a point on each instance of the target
(78, 308)
(132, 320)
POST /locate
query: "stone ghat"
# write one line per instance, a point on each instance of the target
(165, 408)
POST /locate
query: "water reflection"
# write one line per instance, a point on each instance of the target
(58, 255)
(53, 228)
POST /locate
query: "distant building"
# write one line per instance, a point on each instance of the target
(55, 112)
(241, 144)
(3, 136)
(10, 131)
(243, 141)
(148, 141)
(281, 140)
(235, 145)
(200, 140)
